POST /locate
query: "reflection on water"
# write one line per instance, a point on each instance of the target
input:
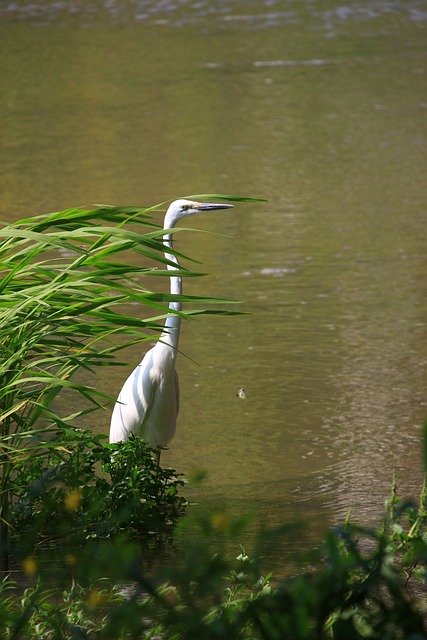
(318, 107)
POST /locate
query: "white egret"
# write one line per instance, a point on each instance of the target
(148, 403)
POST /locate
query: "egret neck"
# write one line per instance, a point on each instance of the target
(170, 333)
(178, 210)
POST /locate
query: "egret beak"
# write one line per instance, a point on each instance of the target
(210, 206)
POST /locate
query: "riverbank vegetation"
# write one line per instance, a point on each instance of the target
(81, 521)
(90, 575)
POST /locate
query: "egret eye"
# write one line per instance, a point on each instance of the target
(241, 393)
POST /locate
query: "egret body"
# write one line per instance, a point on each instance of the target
(148, 403)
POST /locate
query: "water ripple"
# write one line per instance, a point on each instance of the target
(247, 14)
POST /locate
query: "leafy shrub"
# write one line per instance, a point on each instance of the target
(358, 590)
(62, 501)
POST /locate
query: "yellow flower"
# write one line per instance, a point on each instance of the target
(71, 559)
(29, 565)
(219, 521)
(96, 599)
(73, 500)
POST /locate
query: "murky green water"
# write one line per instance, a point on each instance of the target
(319, 107)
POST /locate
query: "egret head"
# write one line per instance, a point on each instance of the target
(180, 208)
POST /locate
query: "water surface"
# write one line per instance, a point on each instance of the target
(320, 108)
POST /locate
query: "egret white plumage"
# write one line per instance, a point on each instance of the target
(148, 403)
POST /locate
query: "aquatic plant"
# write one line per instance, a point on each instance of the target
(66, 284)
